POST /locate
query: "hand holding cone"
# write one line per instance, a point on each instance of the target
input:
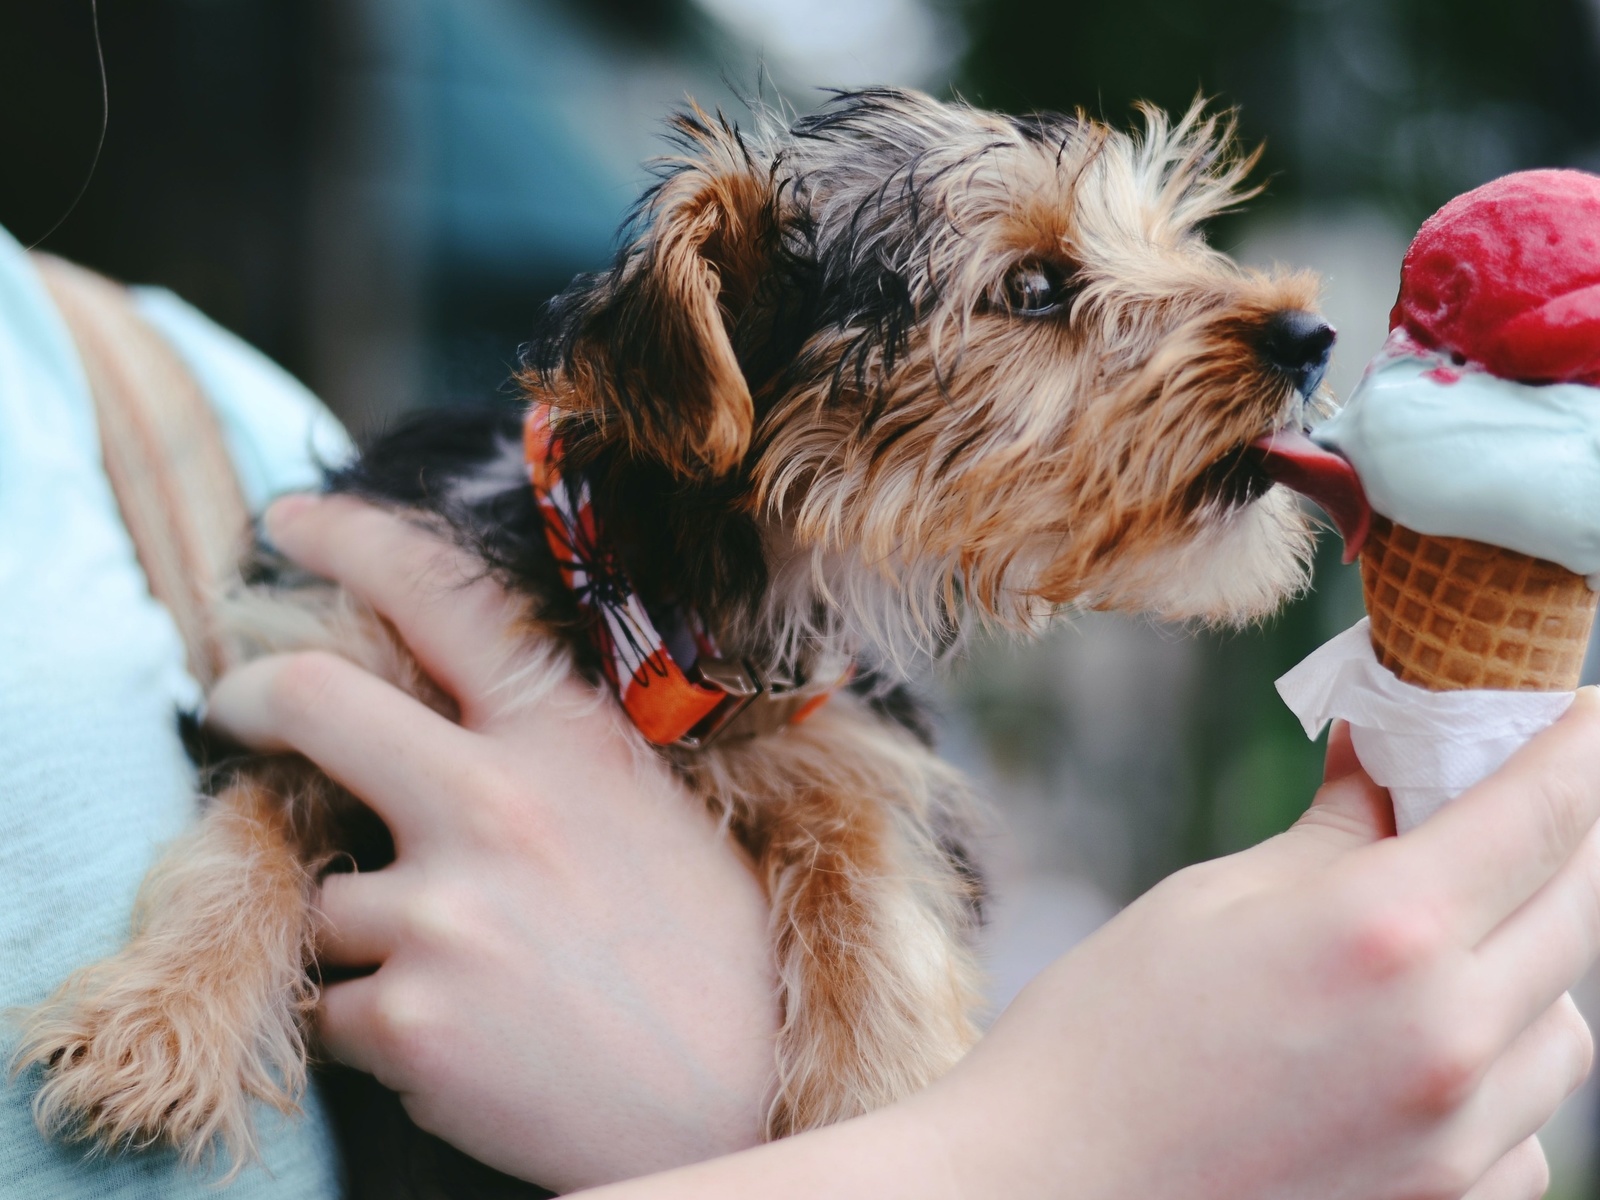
(1479, 419)
(1479, 422)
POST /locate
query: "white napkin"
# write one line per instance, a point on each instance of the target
(1425, 747)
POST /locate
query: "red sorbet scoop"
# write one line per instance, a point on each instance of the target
(1508, 276)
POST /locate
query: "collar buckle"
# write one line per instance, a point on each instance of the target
(759, 702)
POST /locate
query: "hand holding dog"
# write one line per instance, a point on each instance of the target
(575, 983)
(1333, 1013)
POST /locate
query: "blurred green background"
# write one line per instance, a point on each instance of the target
(381, 192)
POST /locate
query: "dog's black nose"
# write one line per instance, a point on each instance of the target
(1298, 344)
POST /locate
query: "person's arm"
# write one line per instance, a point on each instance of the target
(1333, 1013)
(1328, 1015)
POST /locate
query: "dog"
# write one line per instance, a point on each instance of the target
(855, 384)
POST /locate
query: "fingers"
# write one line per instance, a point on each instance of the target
(1504, 839)
(1526, 1085)
(1341, 758)
(1349, 806)
(1551, 941)
(447, 611)
(1523, 1174)
(383, 1025)
(347, 1017)
(371, 1022)
(392, 751)
(359, 926)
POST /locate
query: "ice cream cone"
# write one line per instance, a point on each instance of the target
(1449, 613)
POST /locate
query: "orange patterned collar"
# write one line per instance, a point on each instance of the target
(668, 671)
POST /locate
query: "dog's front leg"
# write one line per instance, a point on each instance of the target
(872, 923)
(170, 1040)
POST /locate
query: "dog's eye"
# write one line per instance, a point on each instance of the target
(1035, 288)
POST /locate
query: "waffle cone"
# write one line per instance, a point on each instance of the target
(1450, 613)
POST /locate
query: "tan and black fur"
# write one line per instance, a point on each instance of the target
(852, 385)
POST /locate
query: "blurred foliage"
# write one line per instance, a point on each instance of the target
(652, 21)
(1404, 102)
(1252, 770)
(1171, 743)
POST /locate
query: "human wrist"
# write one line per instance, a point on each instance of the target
(967, 1135)
(894, 1153)
(1019, 1118)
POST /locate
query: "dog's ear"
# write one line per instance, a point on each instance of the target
(646, 348)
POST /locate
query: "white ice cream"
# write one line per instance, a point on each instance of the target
(1456, 452)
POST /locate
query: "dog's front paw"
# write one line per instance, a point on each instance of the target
(132, 1057)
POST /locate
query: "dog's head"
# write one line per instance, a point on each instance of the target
(969, 361)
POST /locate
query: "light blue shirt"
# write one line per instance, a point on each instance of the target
(93, 779)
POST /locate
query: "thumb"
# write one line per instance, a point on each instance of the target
(1349, 808)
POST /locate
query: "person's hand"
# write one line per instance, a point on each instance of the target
(574, 982)
(1335, 1014)
(1331, 1014)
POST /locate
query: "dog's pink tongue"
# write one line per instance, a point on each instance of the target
(1294, 460)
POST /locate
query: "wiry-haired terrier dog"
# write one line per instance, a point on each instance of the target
(852, 385)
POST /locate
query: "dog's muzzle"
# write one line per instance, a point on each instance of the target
(1299, 344)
